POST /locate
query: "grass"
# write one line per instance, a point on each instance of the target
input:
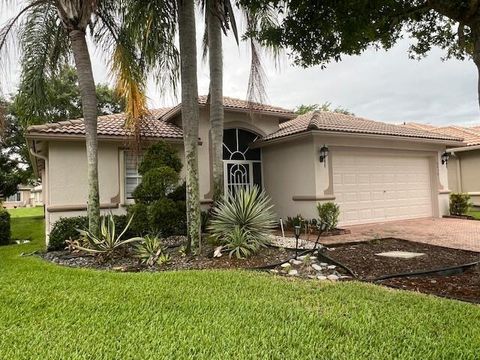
(475, 214)
(26, 212)
(53, 312)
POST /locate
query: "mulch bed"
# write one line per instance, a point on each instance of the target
(127, 263)
(361, 259)
(464, 286)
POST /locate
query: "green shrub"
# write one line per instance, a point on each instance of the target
(179, 193)
(460, 203)
(294, 221)
(248, 212)
(5, 232)
(240, 243)
(66, 229)
(140, 225)
(158, 155)
(328, 213)
(167, 217)
(156, 184)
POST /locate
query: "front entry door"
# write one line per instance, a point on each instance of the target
(238, 174)
(242, 166)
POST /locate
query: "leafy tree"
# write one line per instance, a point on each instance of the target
(317, 32)
(326, 106)
(10, 175)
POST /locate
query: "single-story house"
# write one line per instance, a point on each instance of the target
(375, 171)
(464, 162)
(26, 196)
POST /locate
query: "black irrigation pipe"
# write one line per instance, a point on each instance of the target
(460, 268)
(472, 301)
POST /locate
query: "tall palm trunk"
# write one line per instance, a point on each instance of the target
(216, 100)
(190, 116)
(89, 107)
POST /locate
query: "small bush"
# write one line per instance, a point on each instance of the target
(167, 217)
(328, 213)
(460, 204)
(66, 229)
(149, 250)
(294, 221)
(245, 218)
(5, 232)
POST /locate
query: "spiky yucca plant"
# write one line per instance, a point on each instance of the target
(249, 212)
(107, 242)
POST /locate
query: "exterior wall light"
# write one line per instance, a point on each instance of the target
(445, 157)
(323, 153)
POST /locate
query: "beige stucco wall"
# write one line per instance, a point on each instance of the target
(297, 181)
(464, 173)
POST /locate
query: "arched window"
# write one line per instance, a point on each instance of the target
(242, 165)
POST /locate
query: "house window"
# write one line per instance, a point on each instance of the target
(14, 198)
(132, 177)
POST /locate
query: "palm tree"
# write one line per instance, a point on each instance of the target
(190, 115)
(50, 32)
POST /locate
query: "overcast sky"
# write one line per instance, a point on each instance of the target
(384, 86)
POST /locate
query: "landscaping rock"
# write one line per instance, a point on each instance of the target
(316, 267)
(321, 277)
(296, 262)
(218, 252)
(331, 267)
(273, 271)
(293, 272)
(332, 277)
(286, 265)
(323, 264)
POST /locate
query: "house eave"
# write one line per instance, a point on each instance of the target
(463, 149)
(79, 137)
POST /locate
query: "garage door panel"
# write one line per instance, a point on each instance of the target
(372, 187)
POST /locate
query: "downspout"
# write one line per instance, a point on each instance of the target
(46, 194)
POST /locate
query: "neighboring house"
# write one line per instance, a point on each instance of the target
(464, 163)
(375, 171)
(26, 196)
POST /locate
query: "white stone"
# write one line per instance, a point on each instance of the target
(332, 277)
(323, 264)
(331, 267)
(273, 271)
(321, 277)
(285, 265)
(218, 252)
(311, 276)
(316, 267)
(293, 272)
(296, 262)
(400, 254)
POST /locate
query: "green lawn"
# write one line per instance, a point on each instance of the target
(475, 214)
(26, 212)
(52, 312)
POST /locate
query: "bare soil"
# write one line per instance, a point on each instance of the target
(361, 257)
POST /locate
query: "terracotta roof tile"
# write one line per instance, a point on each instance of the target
(331, 121)
(232, 103)
(469, 135)
(112, 125)
(419, 126)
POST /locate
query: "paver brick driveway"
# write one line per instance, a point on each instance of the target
(454, 233)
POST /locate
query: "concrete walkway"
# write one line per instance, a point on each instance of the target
(454, 233)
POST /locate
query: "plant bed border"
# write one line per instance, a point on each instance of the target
(460, 217)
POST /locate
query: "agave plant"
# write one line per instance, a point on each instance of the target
(249, 213)
(108, 241)
(149, 250)
(240, 244)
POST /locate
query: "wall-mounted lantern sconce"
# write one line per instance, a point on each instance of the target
(323, 154)
(445, 157)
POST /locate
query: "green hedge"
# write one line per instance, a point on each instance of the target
(460, 203)
(5, 232)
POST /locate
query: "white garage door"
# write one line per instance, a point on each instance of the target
(375, 188)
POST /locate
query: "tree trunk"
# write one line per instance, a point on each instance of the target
(476, 60)
(216, 100)
(89, 107)
(190, 116)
